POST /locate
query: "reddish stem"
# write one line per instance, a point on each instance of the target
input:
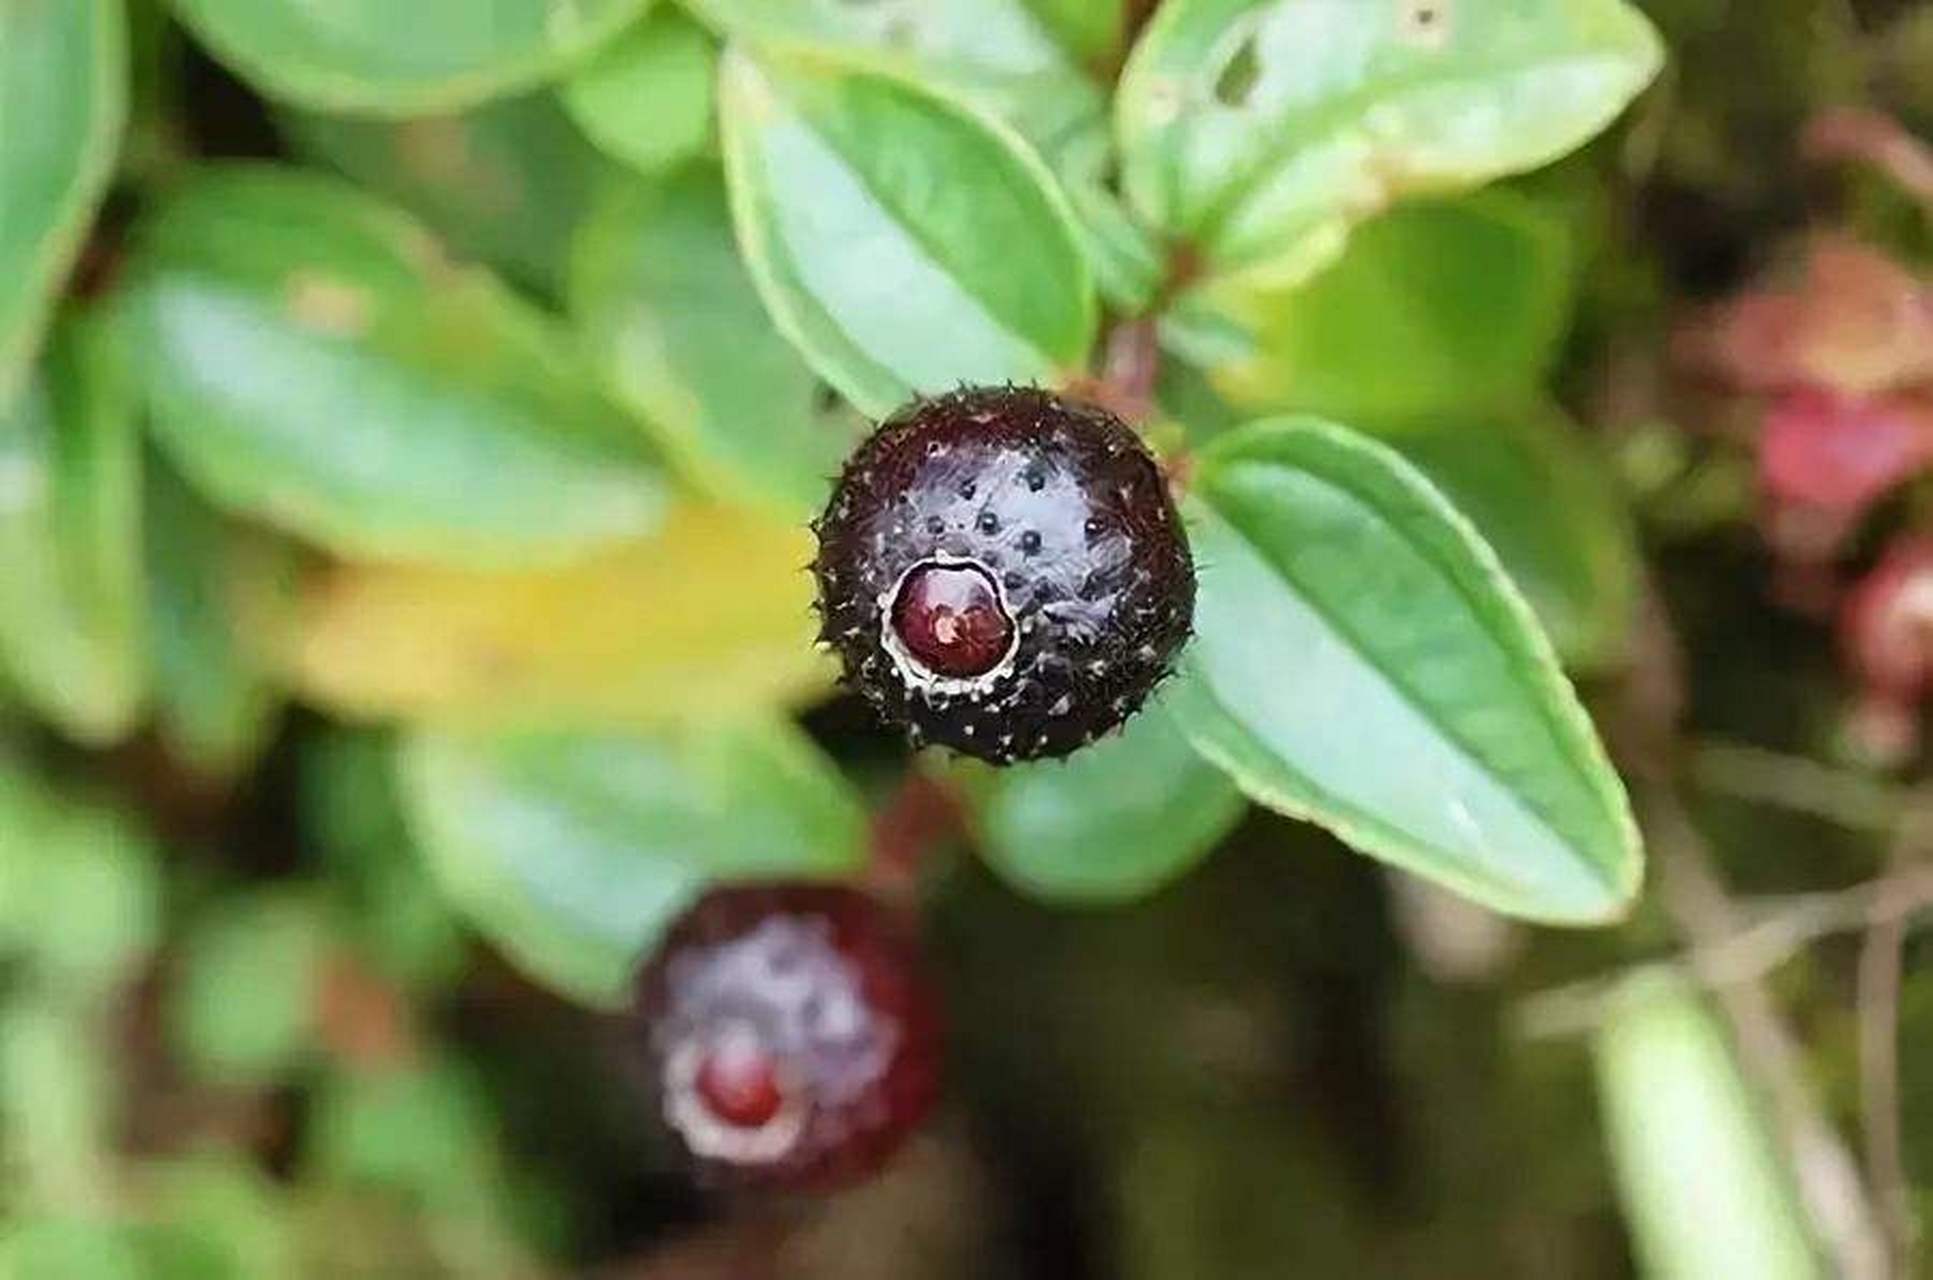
(922, 813)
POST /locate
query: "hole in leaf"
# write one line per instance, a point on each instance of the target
(1240, 74)
(825, 400)
(1424, 23)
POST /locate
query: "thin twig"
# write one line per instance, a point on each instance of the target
(1879, 983)
(1646, 736)
(1130, 367)
(1880, 976)
(1841, 796)
(1874, 138)
(1847, 1225)
(1778, 930)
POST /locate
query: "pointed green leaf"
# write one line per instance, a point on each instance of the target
(903, 242)
(63, 102)
(377, 57)
(1701, 1180)
(1361, 660)
(572, 851)
(1111, 823)
(673, 319)
(1261, 130)
(649, 98)
(312, 360)
(71, 607)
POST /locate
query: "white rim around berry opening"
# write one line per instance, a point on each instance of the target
(915, 674)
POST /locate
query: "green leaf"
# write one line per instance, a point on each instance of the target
(312, 360)
(56, 1114)
(63, 103)
(426, 1131)
(506, 183)
(1539, 494)
(1111, 823)
(1437, 306)
(78, 889)
(1260, 131)
(246, 1002)
(1091, 33)
(572, 852)
(425, 1134)
(215, 705)
(216, 1217)
(904, 243)
(998, 55)
(1703, 1185)
(376, 58)
(649, 98)
(675, 323)
(1362, 661)
(87, 1248)
(1128, 262)
(71, 607)
(352, 809)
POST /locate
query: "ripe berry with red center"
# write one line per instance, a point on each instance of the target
(1002, 572)
(794, 1040)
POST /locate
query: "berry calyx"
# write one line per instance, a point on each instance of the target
(1002, 572)
(738, 1082)
(950, 620)
(794, 1040)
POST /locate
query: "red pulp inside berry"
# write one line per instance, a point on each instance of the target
(950, 620)
(739, 1084)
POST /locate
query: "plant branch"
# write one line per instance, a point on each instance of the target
(1845, 1220)
(1876, 139)
(1646, 736)
(922, 813)
(1839, 796)
(1774, 932)
(1880, 977)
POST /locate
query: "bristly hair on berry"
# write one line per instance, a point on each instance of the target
(1002, 572)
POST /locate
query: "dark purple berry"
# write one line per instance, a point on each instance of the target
(794, 1040)
(1002, 571)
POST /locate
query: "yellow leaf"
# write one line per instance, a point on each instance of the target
(708, 618)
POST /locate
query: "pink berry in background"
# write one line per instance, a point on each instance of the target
(1819, 448)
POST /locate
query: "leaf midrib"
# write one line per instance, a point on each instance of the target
(1410, 695)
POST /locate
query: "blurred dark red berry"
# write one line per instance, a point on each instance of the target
(1002, 571)
(794, 1038)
